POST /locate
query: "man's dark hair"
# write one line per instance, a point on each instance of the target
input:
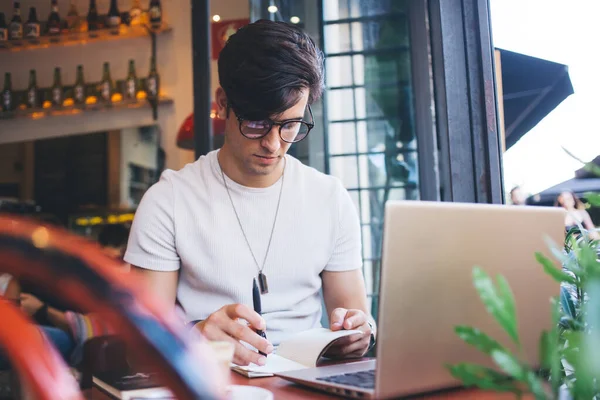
(265, 66)
(113, 235)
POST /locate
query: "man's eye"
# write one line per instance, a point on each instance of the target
(256, 124)
(291, 126)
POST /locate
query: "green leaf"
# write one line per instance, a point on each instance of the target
(509, 364)
(482, 377)
(545, 351)
(593, 168)
(507, 297)
(556, 370)
(593, 199)
(555, 273)
(587, 259)
(567, 303)
(499, 307)
(478, 339)
(535, 385)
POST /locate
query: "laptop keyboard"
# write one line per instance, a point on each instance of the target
(361, 379)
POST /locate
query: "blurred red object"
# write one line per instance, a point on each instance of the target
(34, 358)
(77, 271)
(185, 137)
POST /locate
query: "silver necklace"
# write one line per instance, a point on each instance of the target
(262, 278)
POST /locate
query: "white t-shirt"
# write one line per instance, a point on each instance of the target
(186, 222)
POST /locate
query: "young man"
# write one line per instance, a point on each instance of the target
(249, 211)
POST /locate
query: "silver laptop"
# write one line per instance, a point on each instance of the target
(429, 251)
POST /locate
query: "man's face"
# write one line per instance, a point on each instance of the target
(258, 157)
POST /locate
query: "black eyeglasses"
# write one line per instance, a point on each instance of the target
(290, 131)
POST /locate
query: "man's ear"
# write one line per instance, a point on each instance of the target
(221, 100)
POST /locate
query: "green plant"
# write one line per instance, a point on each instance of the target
(569, 351)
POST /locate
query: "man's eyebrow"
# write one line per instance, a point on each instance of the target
(288, 119)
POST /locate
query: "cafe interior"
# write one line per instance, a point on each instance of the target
(100, 97)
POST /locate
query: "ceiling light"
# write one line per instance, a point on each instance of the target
(216, 17)
(272, 9)
(294, 20)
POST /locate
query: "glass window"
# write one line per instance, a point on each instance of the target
(365, 131)
(375, 104)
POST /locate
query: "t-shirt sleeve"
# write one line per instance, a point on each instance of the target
(151, 243)
(347, 251)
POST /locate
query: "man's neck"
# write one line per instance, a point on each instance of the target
(234, 171)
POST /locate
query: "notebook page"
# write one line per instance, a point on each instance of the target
(275, 363)
(307, 347)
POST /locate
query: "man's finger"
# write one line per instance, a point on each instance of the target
(245, 333)
(245, 356)
(241, 355)
(354, 319)
(235, 311)
(356, 349)
(337, 318)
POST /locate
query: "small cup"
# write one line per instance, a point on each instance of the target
(223, 353)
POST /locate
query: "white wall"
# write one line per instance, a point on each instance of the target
(174, 64)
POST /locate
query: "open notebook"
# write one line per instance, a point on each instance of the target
(298, 352)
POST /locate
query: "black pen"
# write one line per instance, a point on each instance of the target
(258, 309)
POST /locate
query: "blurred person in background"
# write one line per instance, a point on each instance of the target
(576, 213)
(518, 196)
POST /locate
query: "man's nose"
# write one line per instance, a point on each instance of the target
(272, 141)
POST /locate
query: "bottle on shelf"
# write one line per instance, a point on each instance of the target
(73, 20)
(106, 84)
(54, 20)
(15, 28)
(113, 18)
(155, 13)
(7, 94)
(32, 27)
(3, 29)
(93, 20)
(131, 83)
(79, 88)
(32, 91)
(57, 89)
(153, 81)
(135, 13)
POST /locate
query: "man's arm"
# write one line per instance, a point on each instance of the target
(346, 302)
(346, 290)
(161, 283)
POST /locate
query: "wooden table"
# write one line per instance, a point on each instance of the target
(285, 390)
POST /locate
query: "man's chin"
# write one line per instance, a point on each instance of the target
(261, 169)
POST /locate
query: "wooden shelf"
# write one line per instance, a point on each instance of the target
(82, 38)
(41, 113)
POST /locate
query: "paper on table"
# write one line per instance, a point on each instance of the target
(307, 347)
(275, 363)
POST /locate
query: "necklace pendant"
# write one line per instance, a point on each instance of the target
(262, 283)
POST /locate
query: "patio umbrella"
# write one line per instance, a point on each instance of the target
(532, 88)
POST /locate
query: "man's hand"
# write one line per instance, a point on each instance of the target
(224, 325)
(352, 346)
(30, 304)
